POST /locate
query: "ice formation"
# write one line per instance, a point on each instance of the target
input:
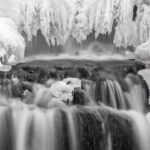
(143, 50)
(61, 91)
(73, 82)
(59, 19)
(11, 42)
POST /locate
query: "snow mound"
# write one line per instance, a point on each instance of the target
(143, 51)
(11, 42)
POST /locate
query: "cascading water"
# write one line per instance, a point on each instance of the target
(25, 127)
(112, 94)
(71, 91)
(131, 96)
(42, 121)
(89, 88)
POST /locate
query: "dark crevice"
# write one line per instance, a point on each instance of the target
(135, 13)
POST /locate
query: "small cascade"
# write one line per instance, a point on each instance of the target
(141, 129)
(6, 88)
(89, 87)
(112, 94)
(135, 94)
(127, 94)
(6, 139)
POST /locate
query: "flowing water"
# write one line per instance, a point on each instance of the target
(104, 114)
(26, 127)
(133, 97)
(112, 119)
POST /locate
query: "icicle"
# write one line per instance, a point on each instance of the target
(80, 29)
(84, 19)
(126, 35)
(127, 30)
(71, 11)
(105, 13)
(98, 16)
(144, 24)
(91, 16)
(56, 20)
(29, 17)
(126, 10)
(46, 15)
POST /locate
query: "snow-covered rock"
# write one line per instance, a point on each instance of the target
(2, 52)
(10, 40)
(73, 82)
(11, 59)
(143, 51)
(62, 91)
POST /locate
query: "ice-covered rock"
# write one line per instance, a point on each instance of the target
(11, 40)
(11, 59)
(2, 52)
(143, 51)
(73, 82)
(62, 91)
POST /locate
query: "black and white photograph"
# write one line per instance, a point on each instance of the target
(74, 74)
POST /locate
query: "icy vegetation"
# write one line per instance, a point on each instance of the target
(11, 42)
(60, 19)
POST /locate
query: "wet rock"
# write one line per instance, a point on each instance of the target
(62, 91)
(40, 71)
(80, 97)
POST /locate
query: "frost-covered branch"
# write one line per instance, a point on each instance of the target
(10, 40)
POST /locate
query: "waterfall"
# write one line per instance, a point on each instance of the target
(26, 127)
(89, 108)
(89, 87)
(135, 96)
(128, 94)
(141, 129)
(41, 108)
(112, 94)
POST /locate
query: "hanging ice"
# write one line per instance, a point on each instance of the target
(59, 19)
(30, 19)
(126, 35)
(144, 24)
(56, 20)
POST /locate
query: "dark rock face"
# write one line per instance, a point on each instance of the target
(80, 97)
(40, 70)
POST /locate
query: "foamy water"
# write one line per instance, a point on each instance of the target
(83, 56)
